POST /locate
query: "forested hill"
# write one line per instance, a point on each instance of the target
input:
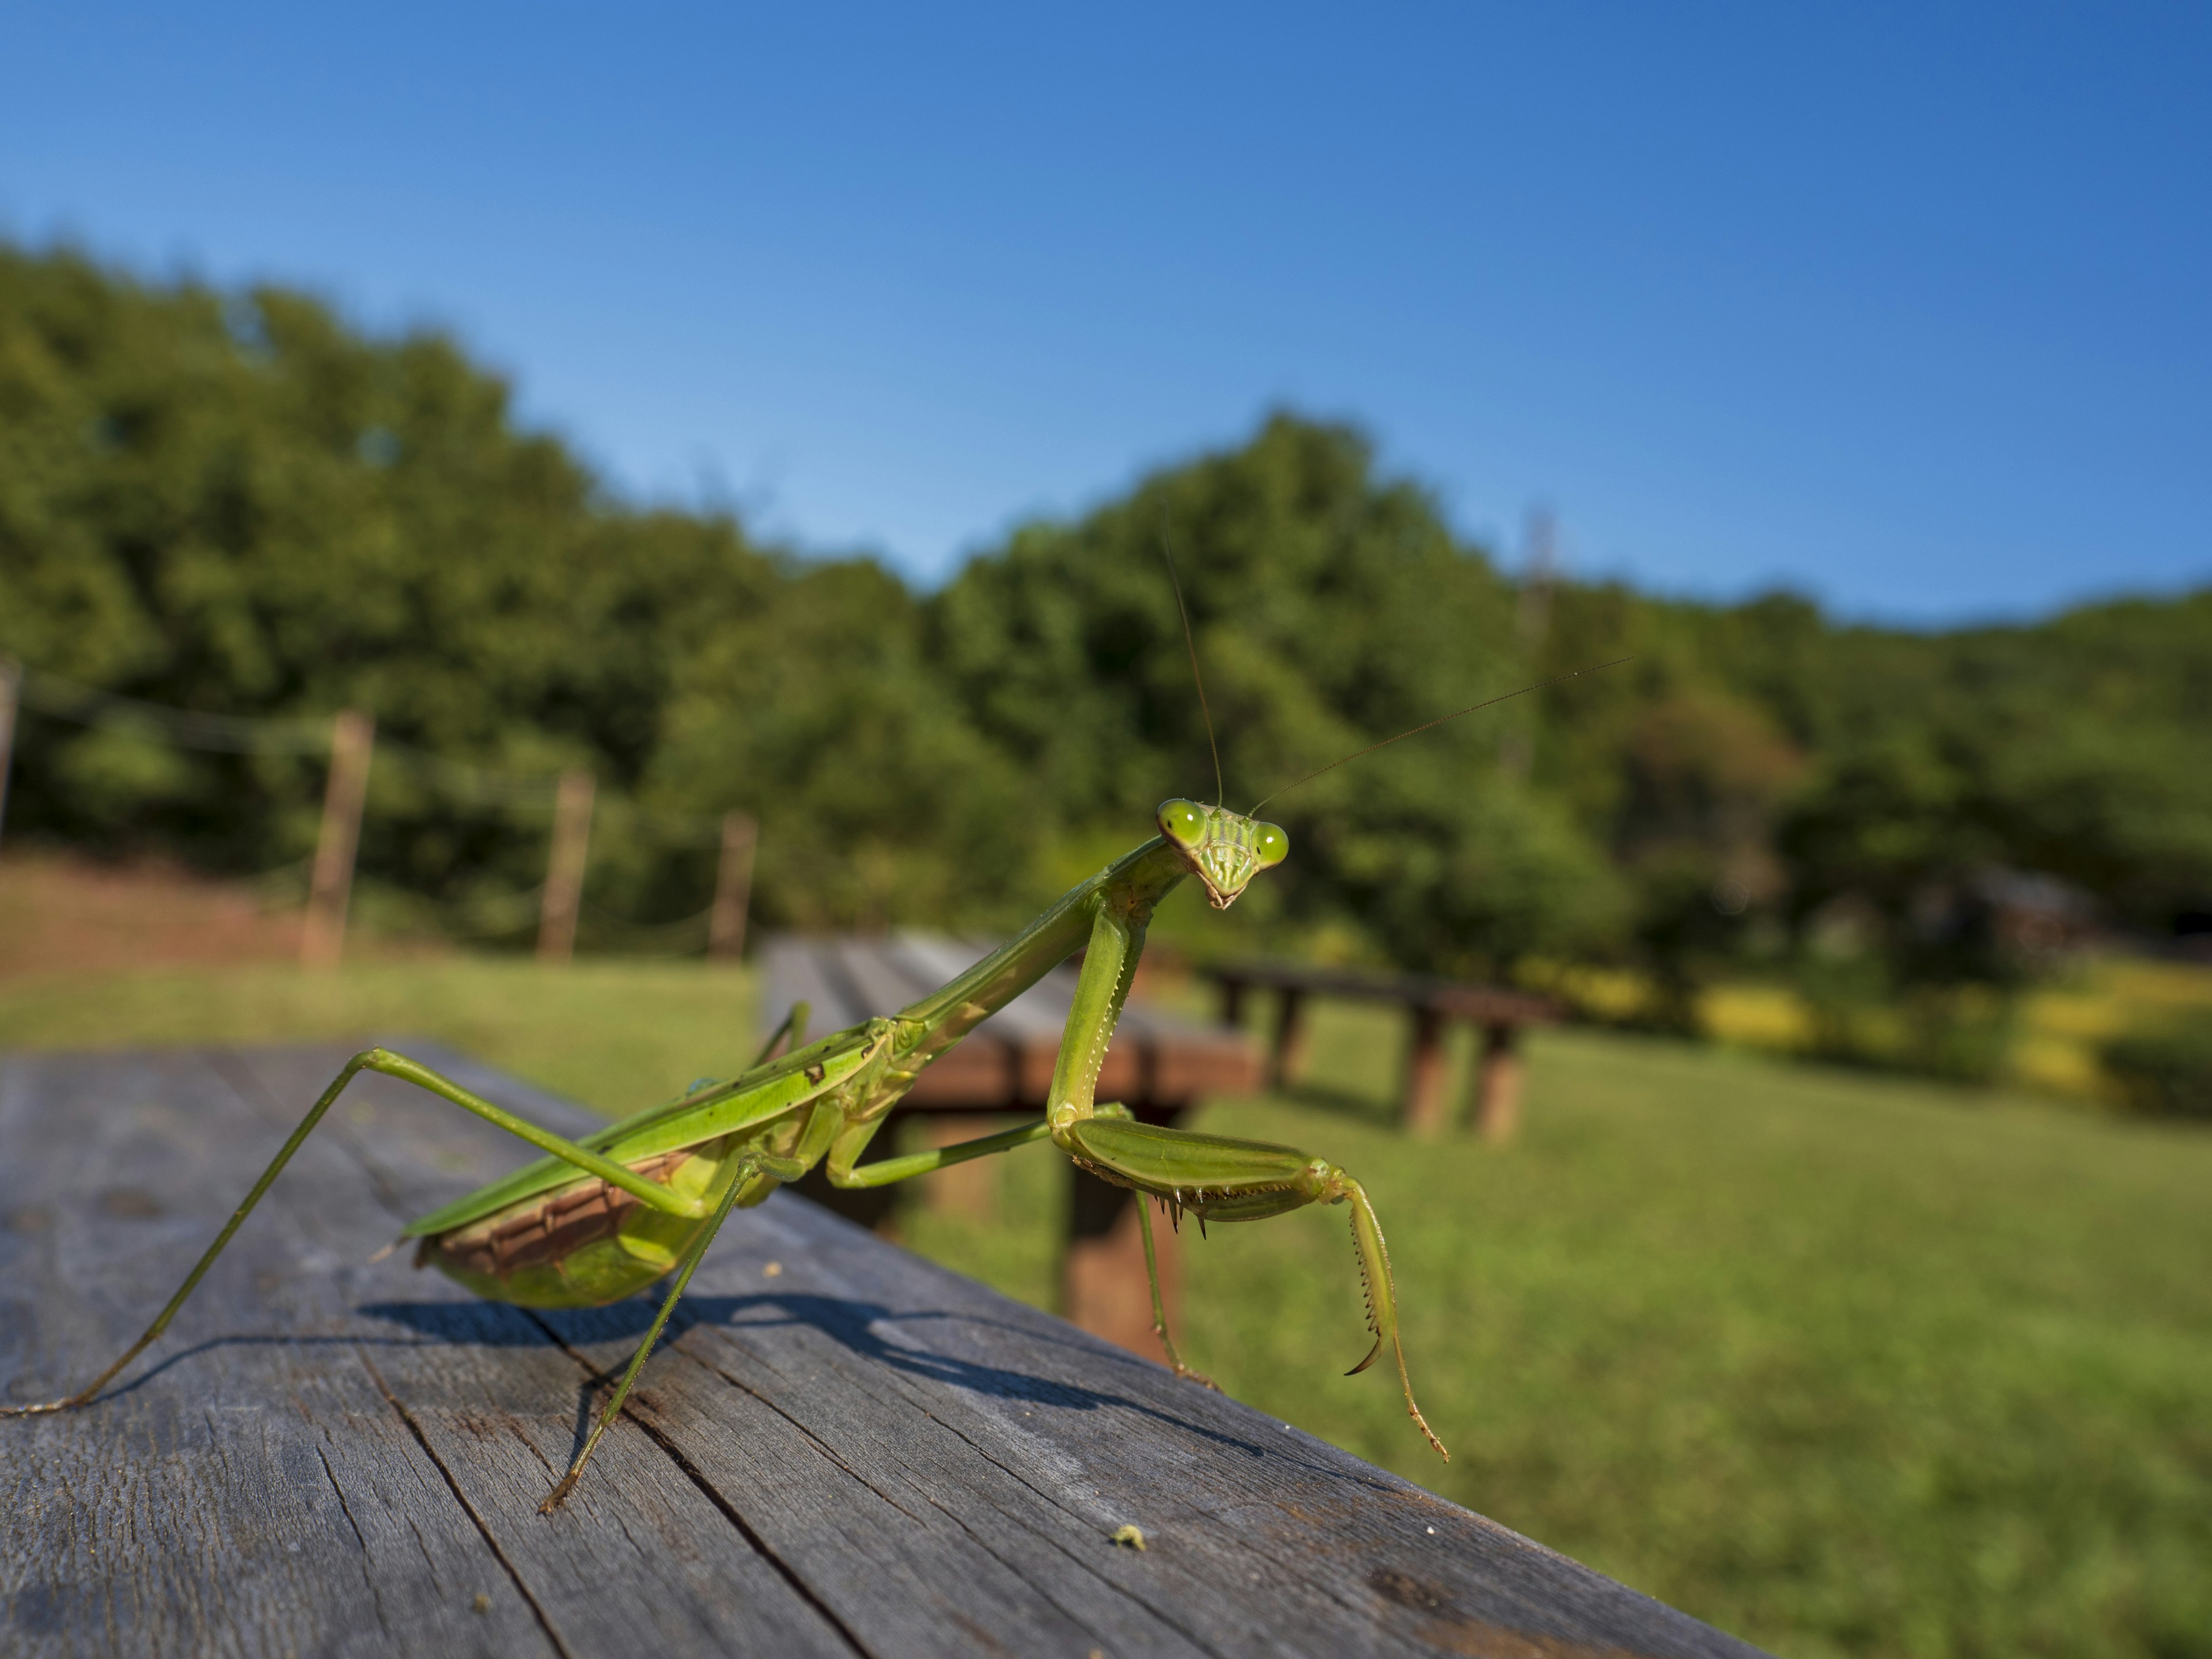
(234, 503)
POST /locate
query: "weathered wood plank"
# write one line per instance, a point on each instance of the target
(859, 1452)
(500, 1407)
(250, 1491)
(315, 1475)
(794, 975)
(1035, 1443)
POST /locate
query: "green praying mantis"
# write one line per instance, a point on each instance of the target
(600, 1219)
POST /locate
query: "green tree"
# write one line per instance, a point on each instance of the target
(1330, 609)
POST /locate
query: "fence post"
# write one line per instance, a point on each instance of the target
(322, 936)
(564, 870)
(1422, 1111)
(11, 677)
(733, 887)
(1496, 1090)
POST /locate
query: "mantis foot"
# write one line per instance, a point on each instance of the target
(559, 1495)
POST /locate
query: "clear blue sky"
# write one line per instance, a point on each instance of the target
(1907, 307)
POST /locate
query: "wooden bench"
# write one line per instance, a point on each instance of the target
(1430, 1004)
(1158, 1065)
(843, 1449)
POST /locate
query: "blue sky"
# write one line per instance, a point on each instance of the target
(1903, 306)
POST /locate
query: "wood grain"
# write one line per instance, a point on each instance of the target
(857, 1453)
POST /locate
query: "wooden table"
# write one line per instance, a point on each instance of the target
(1430, 1004)
(1159, 1066)
(860, 1454)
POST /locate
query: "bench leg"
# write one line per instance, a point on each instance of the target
(1497, 1075)
(1422, 1109)
(1287, 1057)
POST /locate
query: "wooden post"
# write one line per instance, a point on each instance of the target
(322, 934)
(564, 869)
(1497, 1074)
(11, 677)
(1232, 1001)
(1287, 1054)
(1422, 1109)
(733, 887)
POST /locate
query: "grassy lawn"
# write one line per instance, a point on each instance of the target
(1843, 1364)
(614, 1036)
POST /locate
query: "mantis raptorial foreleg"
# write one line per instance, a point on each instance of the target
(1219, 1179)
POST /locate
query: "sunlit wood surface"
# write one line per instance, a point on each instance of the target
(844, 1450)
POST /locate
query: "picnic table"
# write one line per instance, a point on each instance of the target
(840, 1450)
(1159, 1066)
(1499, 1013)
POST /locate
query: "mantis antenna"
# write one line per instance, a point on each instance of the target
(1439, 720)
(1191, 645)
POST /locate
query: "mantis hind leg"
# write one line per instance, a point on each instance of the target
(391, 1065)
(747, 1167)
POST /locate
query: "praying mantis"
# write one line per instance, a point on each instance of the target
(605, 1217)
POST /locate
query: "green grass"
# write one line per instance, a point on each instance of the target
(614, 1036)
(1844, 1365)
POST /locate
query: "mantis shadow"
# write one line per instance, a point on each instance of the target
(853, 1325)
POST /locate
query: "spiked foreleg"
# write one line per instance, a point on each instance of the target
(1219, 1179)
(1381, 1298)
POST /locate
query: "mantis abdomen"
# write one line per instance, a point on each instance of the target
(579, 1247)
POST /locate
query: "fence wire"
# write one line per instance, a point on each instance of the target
(465, 783)
(186, 728)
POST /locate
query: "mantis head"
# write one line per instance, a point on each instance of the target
(1223, 849)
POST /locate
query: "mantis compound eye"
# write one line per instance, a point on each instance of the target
(1270, 845)
(1183, 822)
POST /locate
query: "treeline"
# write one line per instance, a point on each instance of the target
(234, 502)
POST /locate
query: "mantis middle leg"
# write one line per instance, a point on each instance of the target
(1160, 1306)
